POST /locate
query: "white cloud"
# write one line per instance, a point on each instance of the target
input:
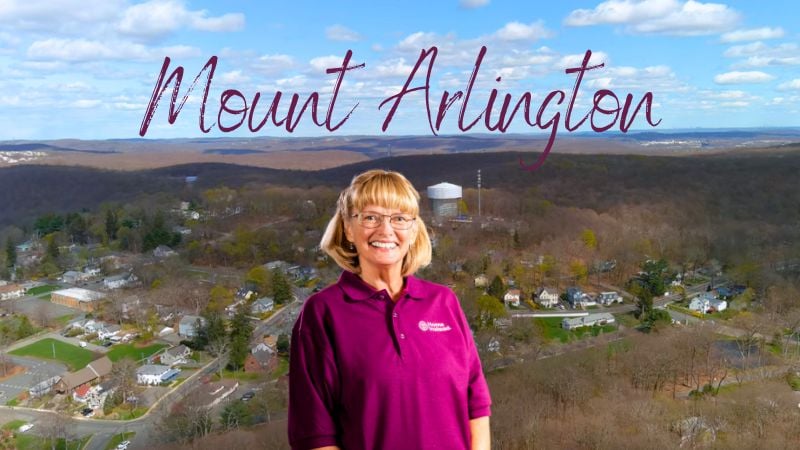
(790, 85)
(516, 31)
(658, 16)
(575, 60)
(393, 68)
(85, 104)
(738, 51)
(753, 34)
(157, 18)
(759, 54)
(471, 4)
(743, 77)
(322, 63)
(233, 77)
(272, 64)
(58, 15)
(341, 33)
(81, 50)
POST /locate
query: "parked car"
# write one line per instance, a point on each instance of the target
(82, 344)
(123, 445)
(25, 427)
(248, 396)
(87, 412)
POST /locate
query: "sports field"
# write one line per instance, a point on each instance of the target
(54, 350)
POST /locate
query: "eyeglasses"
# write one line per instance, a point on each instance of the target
(374, 220)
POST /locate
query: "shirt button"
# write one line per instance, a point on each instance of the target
(402, 336)
(394, 314)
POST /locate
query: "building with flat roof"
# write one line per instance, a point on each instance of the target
(77, 298)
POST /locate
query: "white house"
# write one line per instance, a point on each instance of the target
(707, 303)
(547, 297)
(107, 331)
(262, 305)
(119, 281)
(154, 374)
(571, 323)
(512, 297)
(11, 291)
(176, 355)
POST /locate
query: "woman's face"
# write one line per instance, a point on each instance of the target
(381, 247)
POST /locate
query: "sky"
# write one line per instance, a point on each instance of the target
(86, 69)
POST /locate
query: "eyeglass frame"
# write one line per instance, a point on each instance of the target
(383, 217)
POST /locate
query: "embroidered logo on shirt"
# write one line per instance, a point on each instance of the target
(424, 325)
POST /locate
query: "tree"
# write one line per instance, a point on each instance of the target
(281, 290)
(589, 239)
(11, 253)
(283, 344)
(579, 270)
(112, 224)
(241, 332)
(260, 278)
(123, 374)
(496, 288)
(220, 297)
(489, 310)
(236, 414)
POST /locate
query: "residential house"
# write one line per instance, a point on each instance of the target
(73, 277)
(262, 305)
(512, 297)
(119, 281)
(481, 281)
(155, 374)
(81, 393)
(176, 355)
(571, 323)
(230, 310)
(579, 299)
(108, 331)
(93, 371)
(706, 302)
(163, 251)
(283, 266)
(44, 387)
(11, 291)
(187, 327)
(260, 359)
(77, 298)
(608, 298)
(547, 297)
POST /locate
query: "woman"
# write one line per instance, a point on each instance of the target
(382, 359)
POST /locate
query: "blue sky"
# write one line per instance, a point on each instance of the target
(86, 68)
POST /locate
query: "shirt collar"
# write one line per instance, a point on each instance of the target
(357, 289)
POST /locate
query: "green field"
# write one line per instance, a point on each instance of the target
(550, 328)
(112, 444)
(38, 290)
(73, 356)
(120, 351)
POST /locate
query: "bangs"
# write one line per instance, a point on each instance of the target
(386, 190)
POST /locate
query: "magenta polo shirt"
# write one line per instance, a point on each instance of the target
(369, 373)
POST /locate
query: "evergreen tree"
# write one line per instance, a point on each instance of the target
(241, 332)
(112, 224)
(281, 290)
(496, 287)
(11, 253)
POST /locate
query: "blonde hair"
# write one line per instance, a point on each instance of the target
(382, 188)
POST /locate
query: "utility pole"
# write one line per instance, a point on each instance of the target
(479, 193)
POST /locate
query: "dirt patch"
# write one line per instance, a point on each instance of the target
(12, 372)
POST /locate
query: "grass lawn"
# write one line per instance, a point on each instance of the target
(282, 369)
(551, 330)
(64, 320)
(38, 290)
(25, 441)
(120, 351)
(73, 356)
(13, 425)
(112, 444)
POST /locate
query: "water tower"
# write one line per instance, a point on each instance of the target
(444, 199)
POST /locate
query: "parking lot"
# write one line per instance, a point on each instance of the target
(36, 371)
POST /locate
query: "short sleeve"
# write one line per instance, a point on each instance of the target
(313, 382)
(479, 400)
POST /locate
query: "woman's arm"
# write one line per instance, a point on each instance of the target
(481, 434)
